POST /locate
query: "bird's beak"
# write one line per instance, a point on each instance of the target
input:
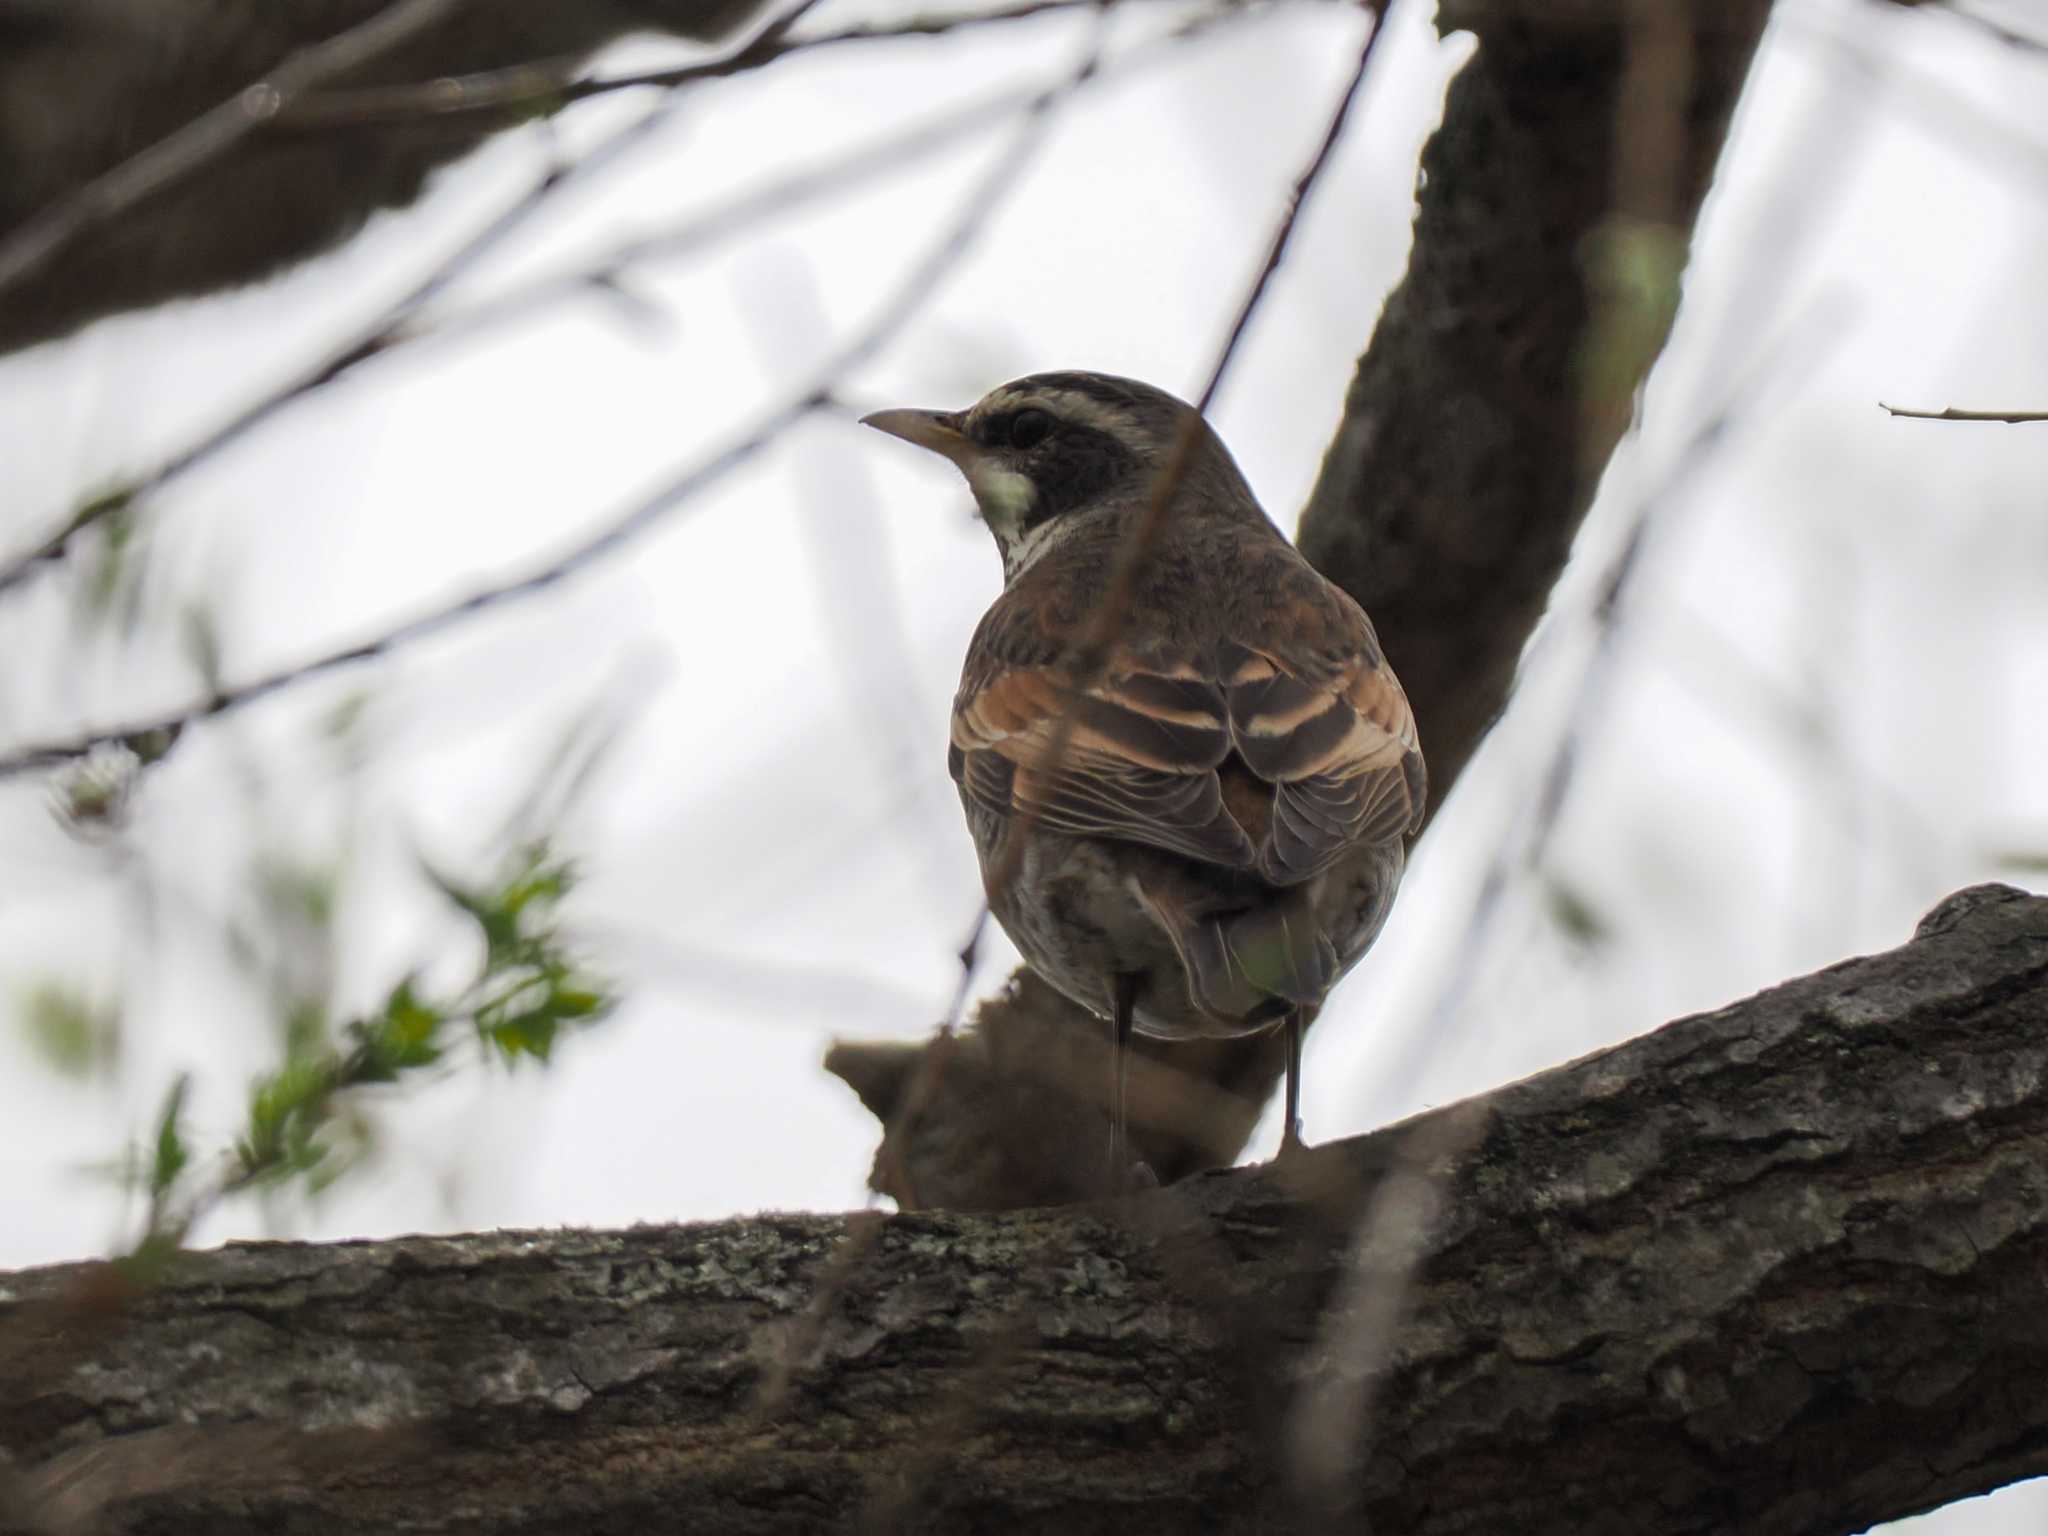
(936, 430)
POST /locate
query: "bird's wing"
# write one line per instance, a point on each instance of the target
(1132, 757)
(1306, 703)
(1316, 712)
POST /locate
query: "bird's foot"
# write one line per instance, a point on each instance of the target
(1127, 1175)
(1292, 1148)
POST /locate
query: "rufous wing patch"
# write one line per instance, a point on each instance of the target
(1316, 758)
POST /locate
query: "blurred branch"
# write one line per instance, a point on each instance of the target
(205, 139)
(552, 84)
(389, 329)
(1990, 26)
(832, 177)
(1526, 846)
(1953, 414)
(156, 113)
(1703, 656)
(406, 320)
(212, 192)
(1995, 142)
(919, 284)
(1787, 1258)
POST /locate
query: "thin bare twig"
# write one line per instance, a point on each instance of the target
(904, 302)
(1706, 659)
(1997, 144)
(1991, 27)
(831, 177)
(1951, 413)
(548, 85)
(387, 330)
(209, 136)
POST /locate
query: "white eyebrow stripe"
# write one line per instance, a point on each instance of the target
(1067, 405)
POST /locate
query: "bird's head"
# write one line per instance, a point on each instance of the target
(1042, 450)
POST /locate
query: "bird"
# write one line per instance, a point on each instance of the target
(1189, 777)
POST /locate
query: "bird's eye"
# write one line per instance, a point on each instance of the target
(1029, 427)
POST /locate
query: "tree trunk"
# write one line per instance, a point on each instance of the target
(1774, 1270)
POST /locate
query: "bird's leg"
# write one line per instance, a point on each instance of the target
(1123, 998)
(1291, 1144)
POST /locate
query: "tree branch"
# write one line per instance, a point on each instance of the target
(122, 187)
(1476, 427)
(1955, 413)
(547, 86)
(150, 126)
(1772, 1269)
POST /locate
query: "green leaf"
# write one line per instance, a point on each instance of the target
(512, 914)
(72, 1036)
(574, 1003)
(200, 635)
(285, 1109)
(110, 504)
(107, 524)
(90, 796)
(171, 1154)
(400, 1037)
(500, 930)
(530, 1032)
(1576, 914)
(305, 891)
(346, 718)
(305, 1027)
(409, 1023)
(1633, 270)
(153, 745)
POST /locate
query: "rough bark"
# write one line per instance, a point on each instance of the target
(1774, 1269)
(1498, 380)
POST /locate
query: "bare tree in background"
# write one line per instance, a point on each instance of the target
(1769, 1270)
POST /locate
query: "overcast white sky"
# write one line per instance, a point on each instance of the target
(1827, 711)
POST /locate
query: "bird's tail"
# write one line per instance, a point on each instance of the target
(1252, 965)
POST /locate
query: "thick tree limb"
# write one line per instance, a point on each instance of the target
(1774, 1269)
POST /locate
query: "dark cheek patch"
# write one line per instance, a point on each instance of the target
(1073, 465)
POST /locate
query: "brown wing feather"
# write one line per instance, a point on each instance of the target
(1277, 756)
(1138, 763)
(1339, 749)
